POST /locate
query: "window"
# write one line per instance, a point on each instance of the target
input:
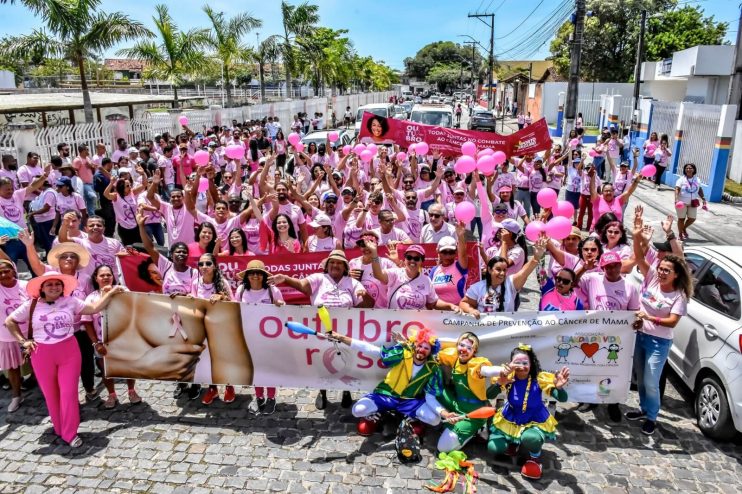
(719, 290)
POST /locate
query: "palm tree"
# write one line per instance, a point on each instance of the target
(178, 54)
(75, 31)
(298, 21)
(225, 39)
(328, 57)
(266, 52)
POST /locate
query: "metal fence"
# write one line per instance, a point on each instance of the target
(624, 107)
(664, 118)
(590, 109)
(700, 125)
(7, 143)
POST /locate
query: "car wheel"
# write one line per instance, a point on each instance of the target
(712, 409)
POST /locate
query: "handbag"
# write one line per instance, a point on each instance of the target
(694, 203)
(26, 352)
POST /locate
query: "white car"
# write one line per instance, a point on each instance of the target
(706, 350)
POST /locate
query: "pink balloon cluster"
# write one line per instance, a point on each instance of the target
(359, 148)
(367, 155)
(486, 164)
(469, 149)
(347, 149)
(499, 157)
(422, 148)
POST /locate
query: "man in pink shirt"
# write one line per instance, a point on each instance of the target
(388, 232)
(85, 168)
(184, 161)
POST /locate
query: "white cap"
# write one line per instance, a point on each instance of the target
(447, 243)
(321, 220)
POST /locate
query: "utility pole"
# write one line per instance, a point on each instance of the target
(637, 76)
(735, 96)
(491, 25)
(570, 110)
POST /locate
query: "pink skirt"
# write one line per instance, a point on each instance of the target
(10, 355)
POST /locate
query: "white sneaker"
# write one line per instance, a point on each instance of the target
(15, 404)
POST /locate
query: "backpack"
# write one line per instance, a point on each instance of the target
(407, 443)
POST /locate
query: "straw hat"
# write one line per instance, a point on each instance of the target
(75, 248)
(335, 255)
(254, 265)
(34, 285)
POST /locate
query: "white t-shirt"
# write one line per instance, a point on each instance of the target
(406, 293)
(258, 296)
(174, 281)
(487, 298)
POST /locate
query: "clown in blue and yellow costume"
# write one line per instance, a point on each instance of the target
(412, 364)
(524, 421)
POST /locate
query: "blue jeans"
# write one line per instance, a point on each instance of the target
(650, 355)
(42, 232)
(155, 231)
(15, 250)
(91, 198)
(476, 226)
(524, 197)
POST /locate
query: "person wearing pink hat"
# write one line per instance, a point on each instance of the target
(51, 312)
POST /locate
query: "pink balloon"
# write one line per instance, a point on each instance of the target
(347, 149)
(235, 151)
(574, 143)
(546, 198)
(201, 157)
(299, 147)
(486, 164)
(465, 164)
(333, 136)
(401, 156)
(592, 153)
(564, 208)
(412, 149)
(499, 157)
(469, 149)
(648, 171)
(203, 184)
(559, 227)
(294, 138)
(183, 120)
(485, 152)
(534, 229)
(366, 155)
(372, 147)
(422, 148)
(465, 211)
(359, 148)
(679, 205)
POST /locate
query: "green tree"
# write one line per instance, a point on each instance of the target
(612, 32)
(76, 31)
(176, 54)
(445, 76)
(443, 53)
(225, 39)
(298, 21)
(328, 56)
(266, 52)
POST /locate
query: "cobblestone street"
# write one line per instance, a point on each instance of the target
(163, 445)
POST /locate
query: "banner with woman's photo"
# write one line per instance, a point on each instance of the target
(380, 130)
(151, 336)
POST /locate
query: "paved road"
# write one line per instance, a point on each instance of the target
(166, 446)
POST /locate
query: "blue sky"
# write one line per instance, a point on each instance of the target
(387, 30)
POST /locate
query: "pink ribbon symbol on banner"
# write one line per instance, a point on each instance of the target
(177, 327)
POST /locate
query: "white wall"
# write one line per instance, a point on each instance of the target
(664, 90)
(7, 80)
(550, 101)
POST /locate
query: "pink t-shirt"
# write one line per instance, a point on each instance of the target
(449, 282)
(180, 223)
(252, 232)
(522, 178)
(258, 296)
(223, 229)
(174, 281)
(27, 174)
(515, 254)
(48, 197)
(51, 323)
(395, 235)
(294, 212)
(326, 292)
(371, 284)
(125, 209)
(624, 251)
(601, 206)
(199, 289)
(657, 303)
(413, 224)
(12, 298)
(12, 209)
(602, 294)
(316, 244)
(620, 181)
(585, 184)
(406, 293)
(168, 173)
(553, 300)
(150, 217)
(94, 318)
(83, 171)
(72, 202)
(504, 179)
(103, 252)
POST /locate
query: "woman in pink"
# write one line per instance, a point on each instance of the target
(13, 293)
(537, 180)
(408, 287)
(562, 296)
(588, 174)
(55, 357)
(661, 159)
(103, 280)
(211, 285)
(361, 269)
(323, 239)
(449, 275)
(650, 146)
(523, 169)
(331, 288)
(255, 289)
(68, 200)
(570, 245)
(177, 277)
(125, 205)
(236, 244)
(279, 236)
(613, 238)
(589, 250)
(280, 148)
(205, 240)
(511, 246)
(607, 201)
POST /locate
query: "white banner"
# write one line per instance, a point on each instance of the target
(186, 339)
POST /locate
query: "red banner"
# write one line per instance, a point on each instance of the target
(296, 265)
(531, 139)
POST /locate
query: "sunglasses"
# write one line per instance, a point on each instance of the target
(665, 270)
(435, 215)
(206, 264)
(613, 232)
(590, 249)
(413, 258)
(563, 281)
(408, 183)
(501, 211)
(68, 256)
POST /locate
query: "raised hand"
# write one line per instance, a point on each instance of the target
(561, 378)
(25, 236)
(539, 249)
(667, 224)
(505, 375)
(647, 232)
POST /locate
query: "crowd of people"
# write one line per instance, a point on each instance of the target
(163, 197)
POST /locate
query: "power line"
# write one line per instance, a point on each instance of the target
(522, 22)
(532, 43)
(519, 43)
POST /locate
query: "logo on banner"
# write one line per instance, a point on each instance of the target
(589, 347)
(528, 143)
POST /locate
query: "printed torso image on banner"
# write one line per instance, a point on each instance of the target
(250, 344)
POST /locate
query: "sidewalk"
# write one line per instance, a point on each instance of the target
(721, 224)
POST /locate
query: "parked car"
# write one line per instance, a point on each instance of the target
(320, 137)
(706, 350)
(407, 105)
(399, 112)
(482, 119)
(429, 114)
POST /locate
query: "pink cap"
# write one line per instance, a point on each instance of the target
(504, 188)
(609, 258)
(417, 249)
